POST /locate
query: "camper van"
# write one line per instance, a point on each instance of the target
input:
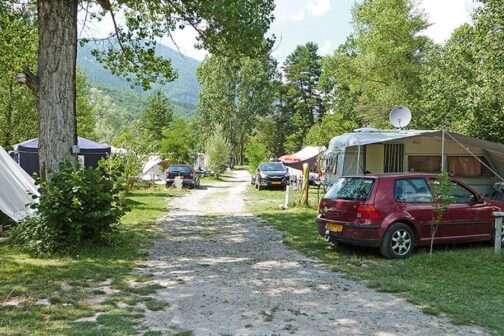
(475, 162)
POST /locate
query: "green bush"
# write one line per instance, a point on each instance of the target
(218, 151)
(76, 206)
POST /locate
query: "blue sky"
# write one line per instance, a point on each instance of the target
(326, 22)
(323, 21)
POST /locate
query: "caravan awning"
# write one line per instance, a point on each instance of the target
(343, 141)
(494, 151)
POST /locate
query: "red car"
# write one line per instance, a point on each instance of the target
(395, 213)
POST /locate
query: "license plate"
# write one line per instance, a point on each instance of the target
(334, 227)
(276, 183)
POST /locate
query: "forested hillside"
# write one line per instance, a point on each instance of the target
(183, 91)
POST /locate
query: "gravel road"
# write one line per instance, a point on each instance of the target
(225, 272)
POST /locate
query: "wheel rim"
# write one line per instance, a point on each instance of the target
(401, 242)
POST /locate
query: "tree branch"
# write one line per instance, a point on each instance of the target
(116, 28)
(185, 18)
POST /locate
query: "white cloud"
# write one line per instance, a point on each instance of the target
(445, 16)
(298, 10)
(327, 48)
(318, 7)
(184, 41)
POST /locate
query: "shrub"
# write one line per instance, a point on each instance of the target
(218, 151)
(76, 206)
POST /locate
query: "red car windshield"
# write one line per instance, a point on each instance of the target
(351, 188)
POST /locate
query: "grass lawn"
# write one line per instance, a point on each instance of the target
(48, 296)
(464, 282)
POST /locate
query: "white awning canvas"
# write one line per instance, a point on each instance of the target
(16, 189)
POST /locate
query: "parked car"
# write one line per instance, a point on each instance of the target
(271, 175)
(189, 177)
(395, 212)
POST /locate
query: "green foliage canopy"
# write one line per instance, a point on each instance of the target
(158, 114)
(255, 152)
(234, 92)
(178, 141)
(18, 116)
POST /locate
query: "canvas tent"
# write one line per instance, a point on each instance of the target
(17, 188)
(477, 162)
(26, 153)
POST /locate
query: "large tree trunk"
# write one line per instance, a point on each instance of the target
(56, 87)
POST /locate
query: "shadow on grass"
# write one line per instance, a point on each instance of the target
(27, 280)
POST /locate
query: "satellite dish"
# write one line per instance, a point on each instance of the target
(400, 117)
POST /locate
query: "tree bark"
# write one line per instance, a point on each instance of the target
(57, 57)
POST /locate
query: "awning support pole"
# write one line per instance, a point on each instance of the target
(358, 160)
(443, 151)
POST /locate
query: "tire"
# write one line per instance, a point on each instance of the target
(258, 187)
(398, 242)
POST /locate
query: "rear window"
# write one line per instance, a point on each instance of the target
(351, 188)
(179, 169)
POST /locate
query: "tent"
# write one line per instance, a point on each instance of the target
(153, 169)
(91, 152)
(476, 162)
(17, 188)
(306, 155)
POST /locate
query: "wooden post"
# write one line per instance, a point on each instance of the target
(306, 184)
(498, 231)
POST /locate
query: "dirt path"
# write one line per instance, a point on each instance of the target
(225, 272)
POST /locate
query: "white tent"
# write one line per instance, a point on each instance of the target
(16, 188)
(152, 170)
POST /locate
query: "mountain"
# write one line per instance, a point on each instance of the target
(183, 91)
